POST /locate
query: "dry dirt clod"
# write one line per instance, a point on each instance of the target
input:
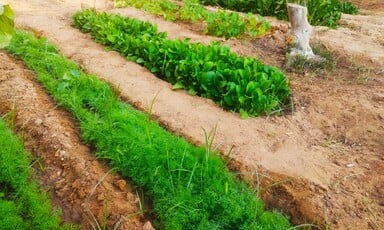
(38, 121)
(121, 184)
(148, 226)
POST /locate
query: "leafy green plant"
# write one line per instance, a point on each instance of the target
(6, 24)
(23, 205)
(221, 24)
(240, 84)
(348, 7)
(190, 186)
(320, 12)
(191, 11)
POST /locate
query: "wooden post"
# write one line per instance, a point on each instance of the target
(300, 34)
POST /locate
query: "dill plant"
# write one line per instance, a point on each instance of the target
(23, 205)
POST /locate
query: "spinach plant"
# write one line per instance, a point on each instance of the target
(240, 84)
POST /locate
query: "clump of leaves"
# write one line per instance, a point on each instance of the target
(221, 24)
(240, 84)
(348, 7)
(6, 25)
(190, 186)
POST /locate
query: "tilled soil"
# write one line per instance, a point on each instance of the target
(84, 188)
(321, 163)
(375, 5)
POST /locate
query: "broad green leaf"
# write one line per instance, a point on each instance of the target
(140, 61)
(62, 86)
(241, 99)
(192, 92)
(75, 73)
(6, 25)
(178, 85)
(243, 114)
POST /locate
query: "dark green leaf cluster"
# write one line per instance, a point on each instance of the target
(190, 187)
(22, 204)
(348, 8)
(320, 12)
(240, 84)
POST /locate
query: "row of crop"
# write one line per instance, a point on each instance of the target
(320, 12)
(220, 24)
(240, 84)
(22, 204)
(191, 188)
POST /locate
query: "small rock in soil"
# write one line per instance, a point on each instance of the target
(148, 226)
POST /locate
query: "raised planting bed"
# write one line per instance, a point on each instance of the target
(240, 84)
(320, 12)
(191, 187)
(221, 23)
(23, 205)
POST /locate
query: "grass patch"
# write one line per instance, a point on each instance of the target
(302, 65)
(23, 205)
(239, 84)
(191, 187)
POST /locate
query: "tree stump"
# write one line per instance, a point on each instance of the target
(300, 35)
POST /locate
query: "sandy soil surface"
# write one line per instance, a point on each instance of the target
(321, 163)
(373, 5)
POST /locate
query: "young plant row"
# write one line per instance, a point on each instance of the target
(23, 205)
(240, 84)
(320, 12)
(191, 187)
(220, 24)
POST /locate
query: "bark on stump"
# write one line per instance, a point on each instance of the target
(300, 35)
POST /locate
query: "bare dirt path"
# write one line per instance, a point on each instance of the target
(87, 191)
(322, 163)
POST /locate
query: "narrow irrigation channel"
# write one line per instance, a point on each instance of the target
(88, 192)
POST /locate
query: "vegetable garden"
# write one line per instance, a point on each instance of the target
(208, 133)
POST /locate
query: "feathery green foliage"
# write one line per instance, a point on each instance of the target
(190, 186)
(22, 204)
(240, 84)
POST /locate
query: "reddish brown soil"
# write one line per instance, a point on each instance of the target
(321, 163)
(376, 5)
(84, 188)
